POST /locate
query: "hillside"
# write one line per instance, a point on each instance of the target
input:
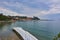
(4, 18)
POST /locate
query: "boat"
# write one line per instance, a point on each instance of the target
(25, 35)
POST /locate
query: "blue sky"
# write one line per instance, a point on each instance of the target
(30, 7)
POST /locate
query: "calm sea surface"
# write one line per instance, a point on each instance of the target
(43, 30)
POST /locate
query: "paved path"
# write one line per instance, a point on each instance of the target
(26, 35)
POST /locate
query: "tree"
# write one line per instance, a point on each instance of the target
(4, 18)
(35, 18)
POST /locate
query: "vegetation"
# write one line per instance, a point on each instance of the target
(56, 37)
(35, 18)
(59, 35)
(7, 18)
(4, 18)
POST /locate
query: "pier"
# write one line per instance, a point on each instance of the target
(24, 34)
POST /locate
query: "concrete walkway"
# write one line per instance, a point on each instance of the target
(25, 35)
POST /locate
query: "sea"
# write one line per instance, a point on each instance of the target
(42, 30)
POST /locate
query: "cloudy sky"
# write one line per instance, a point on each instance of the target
(30, 7)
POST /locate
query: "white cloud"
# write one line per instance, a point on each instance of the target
(54, 8)
(26, 10)
(53, 4)
(12, 4)
(9, 12)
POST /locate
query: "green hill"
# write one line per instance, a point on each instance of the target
(4, 18)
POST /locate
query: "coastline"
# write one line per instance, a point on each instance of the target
(9, 21)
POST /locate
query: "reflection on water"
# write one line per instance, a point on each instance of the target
(11, 36)
(2, 24)
(6, 33)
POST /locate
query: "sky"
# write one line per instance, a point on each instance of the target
(29, 7)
